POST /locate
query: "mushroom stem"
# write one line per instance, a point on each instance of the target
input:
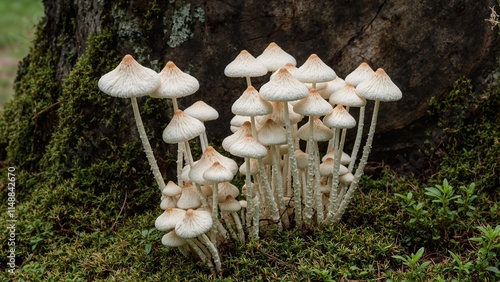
(203, 199)
(357, 141)
(335, 178)
(215, 212)
(308, 211)
(249, 81)
(147, 147)
(213, 251)
(278, 183)
(361, 167)
(250, 204)
(200, 254)
(319, 195)
(293, 162)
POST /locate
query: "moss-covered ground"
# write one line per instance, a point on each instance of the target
(85, 201)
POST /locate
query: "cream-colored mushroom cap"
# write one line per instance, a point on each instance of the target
(172, 240)
(250, 103)
(171, 189)
(169, 218)
(244, 129)
(313, 105)
(283, 87)
(289, 67)
(346, 178)
(218, 173)
(182, 127)
(331, 86)
(339, 118)
(202, 111)
(271, 133)
(314, 70)
(254, 167)
(174, 83)
(326, 168)
(189, 199)
(344, 158)
(320, 131)
(362, 72)
(273, 57)
(194, 223)
(278, 114)
(245, 65)
(168, 202)
(225, 189)
(302, 159)
(208, 158)
(347, 96)
(379, 87)
(229, 205)
(129, 79)
(248, 147)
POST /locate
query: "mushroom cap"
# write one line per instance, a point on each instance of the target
(208, 158)
(254, 167)
(379, 87)
(172, 240)
(181, 128)
(229, 205)
(320, 131)
(283, 87)
(362, 72)
(225, 189)
(271, 133)
(273, 57)
(202, 111)
(247, 147)
(313, 105)
(339, 118)
(245, 65)
(169, 218)
(302, 159)
(194, 223)
(129, 79)
(347, 96)
(171, 189)
(289, 67)
(326, 168)
(168, 202)
(314, 70)
(278, 114)
(174, 83)
(218, 173)
(346, 178)
(189, 199)
(344, 159)
(331, 86)
(239, 120)
(244, 129)
(250, 103)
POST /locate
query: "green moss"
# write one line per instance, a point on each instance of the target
(469, 141)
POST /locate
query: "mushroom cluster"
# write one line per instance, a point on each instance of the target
(289, 182)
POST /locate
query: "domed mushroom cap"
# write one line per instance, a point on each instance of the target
(339, 118)
(229, 205)
(346, 178)
(181, 128)
(347, 96)
(302, 159)
(331, 86)
(248, 147)
(379, 87)
(189, 199)
(245, 65)
(172, 240)
(129, 79)
(244, 129)
(202, 111)
(283, 87)
(169, 218)
(174, 83)
(289, 67)
(171, 189)
(344, 159)
(250, 103)
(168, 202)
(362, 72)
(320, 131)
(326, 168)
(194, 223)
(208, 158)
(225, 189)
(218, 173)
(273, 57)
(239, 120)
(254, 167)
(271, 134)
(314, 70)
(313, 105)
(278, 114)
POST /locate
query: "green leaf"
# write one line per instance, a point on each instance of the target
(493, 269)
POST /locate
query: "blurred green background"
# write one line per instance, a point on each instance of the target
(17, 25)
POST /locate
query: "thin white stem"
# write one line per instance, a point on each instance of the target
(268, 194)
(147, 147)
(297, 190)
(361, 166)
(249, 197)
(278, 183)
(332, 206)
(213, 250)
(308, 211)
(200, 254)
(237, 221)
(317, 183)
(357, 141)
(215, 212)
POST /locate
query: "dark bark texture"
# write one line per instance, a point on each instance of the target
(424, 46)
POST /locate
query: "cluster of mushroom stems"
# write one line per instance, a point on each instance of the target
(288, 181)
